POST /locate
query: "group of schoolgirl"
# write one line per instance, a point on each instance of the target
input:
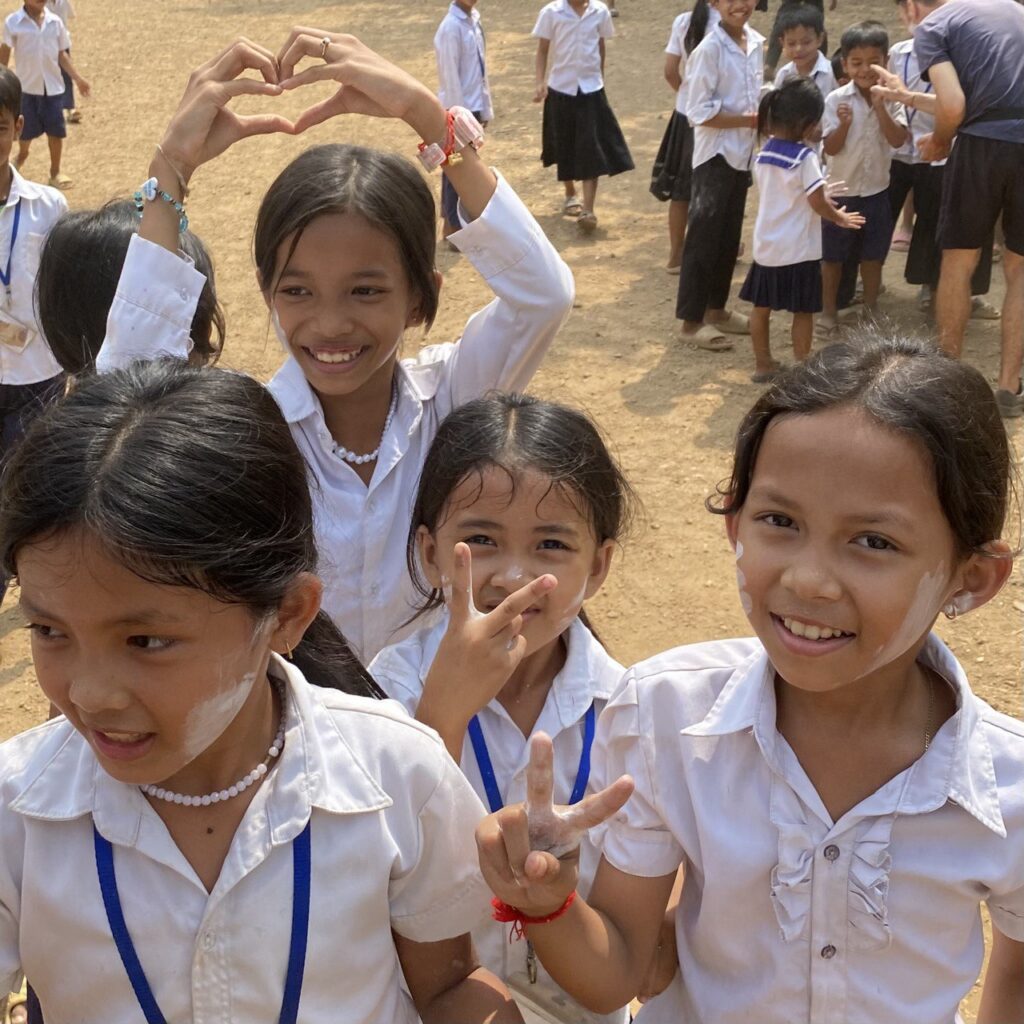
(221, 559)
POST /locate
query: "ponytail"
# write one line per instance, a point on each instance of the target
(766, 112)
(698, 26)
(324, 657)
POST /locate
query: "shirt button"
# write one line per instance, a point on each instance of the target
(183, 294)
(374, 590)
(831, 852)
(827, 952)
(371, 506)
(209, 941)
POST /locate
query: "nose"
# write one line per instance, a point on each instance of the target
(809, 578)
(333, 319)
(95, 693)
(511, 575)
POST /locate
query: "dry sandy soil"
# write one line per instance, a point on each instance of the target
(669, 410)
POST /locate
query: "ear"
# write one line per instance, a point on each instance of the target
(599, 568)
(298, 609)
(732, 528)
(427, 547)
(19, 126)
(981, 577)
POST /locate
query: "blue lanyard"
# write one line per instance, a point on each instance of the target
(906, 81)
(5, 276)
(483, 760)
(301, 860)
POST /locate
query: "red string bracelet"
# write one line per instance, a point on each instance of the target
(508, 914)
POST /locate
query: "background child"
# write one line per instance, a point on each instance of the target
(344, 246)
(802, 33)
(724, 79)
(519, 510)
(65, 10)
(163, 606)
(581, 135)
(834, 784)
(41, 45)
(462, 82)
(775, 47)
(786, 272)
(672, 175)
(860, 132)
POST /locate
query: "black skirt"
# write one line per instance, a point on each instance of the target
(673, 166)
(796, 288)
(582, 137)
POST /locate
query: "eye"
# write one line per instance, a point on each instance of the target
(45, 632)
(293, 291)
(776, 519)
(479, 539)
(368, 291)
(874, 542)
(150, 643)
(551, 544)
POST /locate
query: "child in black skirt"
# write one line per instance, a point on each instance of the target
(786, 272)
(581, 135)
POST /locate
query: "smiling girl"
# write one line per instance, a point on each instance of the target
(840, 801)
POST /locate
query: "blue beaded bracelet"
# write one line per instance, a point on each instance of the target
(149, 191)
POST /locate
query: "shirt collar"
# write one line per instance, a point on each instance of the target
(463, 15)
(48, 15)
(957, 766)
(753, 38)
(22, 188)
(822, 65)
(591, 8)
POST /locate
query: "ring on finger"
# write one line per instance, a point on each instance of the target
(324, 44)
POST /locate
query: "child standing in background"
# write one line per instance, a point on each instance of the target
(801, 32)
(462, 82)
(580, 132)
(860, 134)
(672, 176)
(64, 9)
(40, 43)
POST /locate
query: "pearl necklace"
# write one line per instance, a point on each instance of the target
(358, 460)
(239, 787)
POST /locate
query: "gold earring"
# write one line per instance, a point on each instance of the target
(288, 651)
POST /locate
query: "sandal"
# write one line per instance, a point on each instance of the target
(74, 117)
(587, 222)
(734, 323)
(982, 310)
(572, 207)
(825, 332)
(674, 270)
(900, 241)
(708, 338)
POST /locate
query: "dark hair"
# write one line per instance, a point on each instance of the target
(517, 433)
(800, 16)
(385, 189)
(188, 477)
(909, 386)
(10, 93)
(698, 26)
(795, 106)
(79, 268)
(862, 35)
(838, 71)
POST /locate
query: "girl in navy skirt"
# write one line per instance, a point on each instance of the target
(786, 272)
(581, 135)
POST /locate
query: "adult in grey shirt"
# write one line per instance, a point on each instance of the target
(972, 52)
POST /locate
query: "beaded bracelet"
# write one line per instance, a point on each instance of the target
(149, 191)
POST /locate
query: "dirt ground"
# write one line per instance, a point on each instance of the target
(670, 410)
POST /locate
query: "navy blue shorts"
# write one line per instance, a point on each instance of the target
(44, 115)
(871, 242)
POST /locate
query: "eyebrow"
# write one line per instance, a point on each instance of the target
(877, 517)
(143, 617)
(373, 273)
(491, 524)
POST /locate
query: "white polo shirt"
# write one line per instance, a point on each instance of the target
(787, 230)
(461, 63)
(27, 360)
(786, 915)
(361, 530)
(821, 75)
(863, 162)
(574, 58)
(724, 78)
(391, 819)
(37, 49)
(903, 62)
(588, 676)
(677, 48)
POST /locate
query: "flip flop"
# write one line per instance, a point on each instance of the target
(825, 332)
(572, 207)
(587, 222)
(900, 242)
(708, 338)
(734, 323)
(674, 270)
(982, 310)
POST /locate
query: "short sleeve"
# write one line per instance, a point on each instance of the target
(400, 671)
(607, 27)
(1007, 912)
(780, 78)
(675, 45)
(897, 112)
(811, 178)
(830, 119)
(8, 35)
(10, 904)
(441, 893)
(65, 37)
(637, 840)
(931, 43)
(543, 29)
(702, 101)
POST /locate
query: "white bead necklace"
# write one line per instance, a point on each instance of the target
(358, 460)
(239, 787)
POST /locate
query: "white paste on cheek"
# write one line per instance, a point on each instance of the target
(279, 331)
(741, 582)
(207, 721)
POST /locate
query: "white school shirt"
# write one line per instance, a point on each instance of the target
(863, 162)
(785, 916)
(37, 49)
(903, 62)
(821, 75)
(392, 822)
(361, 531)
(724, 77)
(41, 207)
(677, 48)
(588, 676)
(574, 58)
(787, 230)
(461, 63)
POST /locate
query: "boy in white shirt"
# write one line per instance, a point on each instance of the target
(40, 42)
(801, 32)
(65, 10)
(859, 134)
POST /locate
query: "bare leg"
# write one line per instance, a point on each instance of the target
(953, 298)
(1013, 321)
(570, 189)
(678, 214)
(802, 331)
(56, 147)
(760, 316)
(23, 148)
(589, 194)
(831, 274)
(907, 221)
(871, 275)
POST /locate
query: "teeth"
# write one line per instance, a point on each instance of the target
(124, 737)
(798, 628)
(335, 357)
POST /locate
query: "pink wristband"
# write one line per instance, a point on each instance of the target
(463, 130)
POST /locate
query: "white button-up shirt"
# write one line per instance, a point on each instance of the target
(723, 77)
(361, 530)
(588, 677)
(25, 359)
(391, 820)
(461, 63)
(821, 75)
(37, 50)
(787, 916)
(787, 231)
(676, 47)
(574, 57)
(863, 162)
